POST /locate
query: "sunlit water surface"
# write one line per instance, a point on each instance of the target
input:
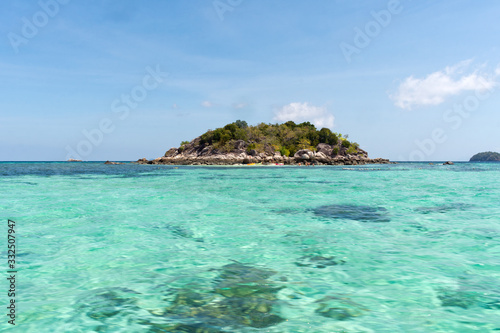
(410, 247)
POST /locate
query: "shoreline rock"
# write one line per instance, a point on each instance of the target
(195, 153)
(114, 163)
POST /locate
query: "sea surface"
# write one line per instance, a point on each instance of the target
(410, 247)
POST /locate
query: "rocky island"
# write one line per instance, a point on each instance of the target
(487, 156)
(271, 144)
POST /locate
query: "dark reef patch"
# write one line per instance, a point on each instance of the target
(28, 183)
(239, 298)
(182, 232)
(339, 308)
(459, 299)
(287, 211)
(353, 212)
(444, 208)
(318, 261)
(466, 299)
(103, 303)
(242, 297)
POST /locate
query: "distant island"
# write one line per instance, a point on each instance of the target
(487, 156)
(288, 143)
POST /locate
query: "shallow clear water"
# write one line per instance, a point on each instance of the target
(410, 247)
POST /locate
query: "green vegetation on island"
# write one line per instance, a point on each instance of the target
(238, 143)
(487, 156)
(287, 138)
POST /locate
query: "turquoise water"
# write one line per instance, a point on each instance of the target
(410, 247)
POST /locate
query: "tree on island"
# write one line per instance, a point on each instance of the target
(287, 138)
(487, 156)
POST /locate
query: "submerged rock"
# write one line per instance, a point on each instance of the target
(180, 328)
(466, 299)
(353, 212)
(242, 296)
(100, 304)
(459, 299)
(339, 308)
(455, 300)
(443, 208)
(318, 261)
(241, 280)
(182, 232)
(287, 211)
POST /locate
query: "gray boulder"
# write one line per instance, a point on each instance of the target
(240, 145)
(171, 152)
(304, 154)
(325, 149)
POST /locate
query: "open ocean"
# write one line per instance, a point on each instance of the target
(410, 247)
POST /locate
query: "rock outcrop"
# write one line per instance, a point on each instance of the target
(196, 153)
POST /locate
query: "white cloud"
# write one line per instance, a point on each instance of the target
(207, 104)
(300, 112)
(437, 86)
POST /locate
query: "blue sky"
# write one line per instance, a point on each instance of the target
(122, 80)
